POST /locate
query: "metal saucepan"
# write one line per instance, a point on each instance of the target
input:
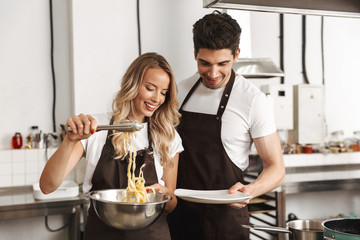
(297, 229)
(342, 229)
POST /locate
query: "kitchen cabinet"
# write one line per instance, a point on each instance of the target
(309, 121)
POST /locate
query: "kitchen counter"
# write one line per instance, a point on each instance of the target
(19, 202)
(321, 172)
(315, 172)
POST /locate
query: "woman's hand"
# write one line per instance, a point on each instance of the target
(82, 127)
(169, 207)
(160, 188)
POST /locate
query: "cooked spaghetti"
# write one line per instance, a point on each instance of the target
(136, 192)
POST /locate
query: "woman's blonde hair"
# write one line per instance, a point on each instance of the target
(164, 120)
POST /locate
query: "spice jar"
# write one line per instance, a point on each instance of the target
(337, 139)
(356, 144)
(16, 141)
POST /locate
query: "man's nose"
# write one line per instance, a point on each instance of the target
(213, 72)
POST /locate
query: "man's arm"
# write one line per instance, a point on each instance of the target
(273, 174)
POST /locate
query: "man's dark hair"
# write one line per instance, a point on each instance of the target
(216, 31)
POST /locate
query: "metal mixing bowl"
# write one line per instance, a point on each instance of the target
(127, 216)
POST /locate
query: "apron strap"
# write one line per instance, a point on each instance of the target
(224, 99)
(226, 95)
(190, 92)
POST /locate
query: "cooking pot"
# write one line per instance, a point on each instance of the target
(342, 229)
(298, 229)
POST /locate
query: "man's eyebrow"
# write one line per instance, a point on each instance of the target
(204, 61)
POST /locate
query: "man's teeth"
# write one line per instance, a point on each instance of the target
(149, 105)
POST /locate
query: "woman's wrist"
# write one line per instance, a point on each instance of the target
(69, 142)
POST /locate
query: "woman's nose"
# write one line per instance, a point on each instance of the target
(156, 97)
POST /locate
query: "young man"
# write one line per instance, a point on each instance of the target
(222, 115)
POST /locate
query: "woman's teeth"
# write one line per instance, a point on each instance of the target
(149, 105)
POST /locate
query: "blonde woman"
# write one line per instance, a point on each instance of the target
(147, 95)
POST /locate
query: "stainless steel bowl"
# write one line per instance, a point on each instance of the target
(127, 216)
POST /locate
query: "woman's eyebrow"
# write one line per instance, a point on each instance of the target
(156, 86)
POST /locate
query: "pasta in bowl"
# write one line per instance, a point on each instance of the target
(114, 212)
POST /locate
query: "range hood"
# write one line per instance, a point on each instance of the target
(337, 8)
(257, 68)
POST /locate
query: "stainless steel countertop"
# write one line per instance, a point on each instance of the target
(315, 172)
(18, 202)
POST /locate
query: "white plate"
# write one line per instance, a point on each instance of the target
(211, 196)
(68, 189)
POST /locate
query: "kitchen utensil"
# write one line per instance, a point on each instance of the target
(121, 127)
(297, 229)
(127, 216)
(211, 196)
(342, 229)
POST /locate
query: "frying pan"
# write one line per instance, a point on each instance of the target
(342, 229)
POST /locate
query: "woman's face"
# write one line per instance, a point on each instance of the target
(152, 93)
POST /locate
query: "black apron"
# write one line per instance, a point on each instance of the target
(111, 173)
(205, 165)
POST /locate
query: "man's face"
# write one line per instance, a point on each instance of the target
(215, 66)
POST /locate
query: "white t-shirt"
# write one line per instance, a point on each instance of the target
(248, 114)
(93, 147)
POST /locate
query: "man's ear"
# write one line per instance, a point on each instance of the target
(237, 53)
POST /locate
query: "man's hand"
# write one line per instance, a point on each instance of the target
(241, 188)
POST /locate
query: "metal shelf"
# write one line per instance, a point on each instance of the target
(268, 209)
(260, 208)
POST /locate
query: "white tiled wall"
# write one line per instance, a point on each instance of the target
(21, 167)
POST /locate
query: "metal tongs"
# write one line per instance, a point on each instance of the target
(121, 127)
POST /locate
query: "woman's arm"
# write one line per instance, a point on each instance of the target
(63, 161)
(170, 179)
